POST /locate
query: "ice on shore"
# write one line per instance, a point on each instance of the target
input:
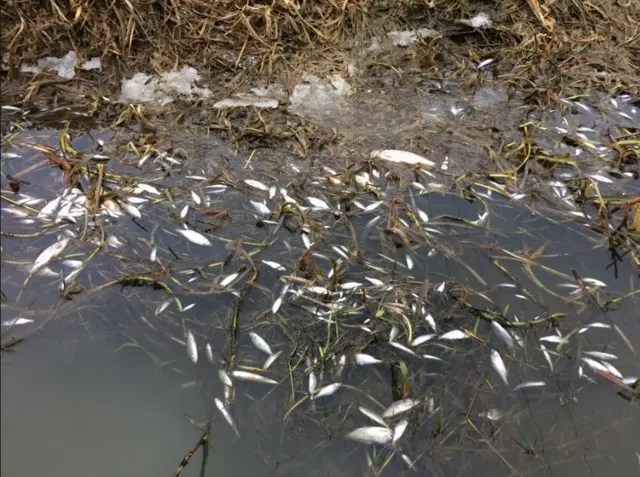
(144, 88)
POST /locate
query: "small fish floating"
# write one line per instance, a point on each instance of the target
(401, 157)
(192, 349)
(371, 435)
(498, 365)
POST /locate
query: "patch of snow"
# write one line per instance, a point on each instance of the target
(408, 37)
(92, 64)
(265, 98)
(246, 100)
(144, 88)
(315, 94)
(481, 20)
(65, 66)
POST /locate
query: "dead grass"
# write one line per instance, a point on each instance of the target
(594, 44)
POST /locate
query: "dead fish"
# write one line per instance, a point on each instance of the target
(227, 280)
(503, 334)
(318, 204)
(72, 263)
(339, 367)
(373, 206)
(491, 415)
(192, 349)
(17, 321)
(454, 335)
(209, 353)
(49, 254)
(595, 365)
(373, 416)
(395, 331)
(430, 321)
(327, 390)
(154, 254)
(409, 262)
(612, 370)
(313, 383)
(529, 384)
(255, 378)
(194, 237)
(364, 359)
(553, 339)
(225, 413)
(132, 210)
(260, 343)
(163, 306)
(403, 348)
(274, 265)
(184, 211)
(431, 357)
(256, 184)
(49, 209)
(350, 285)
(400, 407)
(593, 325)
(371, 435)
(547, 356)
(146, 188)
(601, 356)
(260, 207)
(398, 430)
(196, 198)
(374, 281)
(276, 305)
(270, 360)
(401, 157)
(224, 378)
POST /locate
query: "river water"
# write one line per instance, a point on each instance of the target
(102, 383)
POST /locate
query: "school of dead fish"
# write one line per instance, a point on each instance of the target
(68, 210)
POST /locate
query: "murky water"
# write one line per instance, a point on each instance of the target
(102, 384)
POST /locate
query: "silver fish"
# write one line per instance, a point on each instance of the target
(255, 378)
(225, 413)
(194, 237)
(503, 334)
(224, 378)
(498, 365)
(227, 280)
(17, 321)
(49, 254)
(260, 343)
(418, 340)
(327, 390)
(373, 416)
(363, 359)
(529, 384)
(192, 349)
(600, 355)
(313, 382)
(270, 360)
(400, 407)
(256, 184)
(398, 430)
(371, 435)
(454, 335)
(209, 353)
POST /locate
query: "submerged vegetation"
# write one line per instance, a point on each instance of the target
(419, 272)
